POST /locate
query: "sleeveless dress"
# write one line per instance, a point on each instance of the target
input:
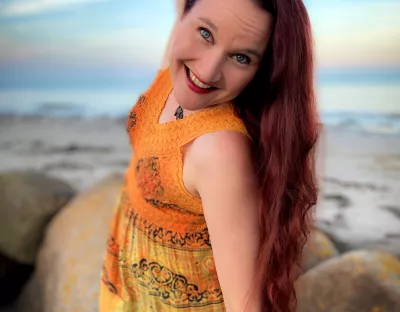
(159, 255)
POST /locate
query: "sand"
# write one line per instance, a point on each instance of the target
(359, 205)
(81, 151)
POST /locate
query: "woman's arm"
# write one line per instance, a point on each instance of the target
(227, 184)
(179, 5)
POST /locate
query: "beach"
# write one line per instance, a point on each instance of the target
(358, 172)
(80, 150)
(359, 202)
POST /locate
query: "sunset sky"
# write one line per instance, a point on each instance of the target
(117, 34)
(120, 41)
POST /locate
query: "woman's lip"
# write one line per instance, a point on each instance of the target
(195, 88)
(207, 84)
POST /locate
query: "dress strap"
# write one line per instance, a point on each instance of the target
(212, 120)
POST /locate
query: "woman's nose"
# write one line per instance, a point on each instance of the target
(210, 69)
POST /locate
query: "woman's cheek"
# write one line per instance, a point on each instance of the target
(237, 81)
(186, 47)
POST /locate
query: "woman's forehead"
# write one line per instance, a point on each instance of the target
(243, 19)
(245, 7)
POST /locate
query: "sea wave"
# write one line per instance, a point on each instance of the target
(388, 124)
(117, 103)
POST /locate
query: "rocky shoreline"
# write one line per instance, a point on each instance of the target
(358, 213)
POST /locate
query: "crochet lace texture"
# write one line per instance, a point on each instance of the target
(159, 255)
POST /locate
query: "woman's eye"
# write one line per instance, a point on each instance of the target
(242, 59)
(205, 34)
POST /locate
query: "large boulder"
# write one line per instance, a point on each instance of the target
(67, 275)
(318, 248)
(28, 201)
(13, 276)
(356, 281)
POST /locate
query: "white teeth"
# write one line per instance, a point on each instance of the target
(197, 82)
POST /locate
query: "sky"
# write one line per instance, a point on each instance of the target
(117, 42)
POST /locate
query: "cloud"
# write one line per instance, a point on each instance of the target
(130, 47)
(121, 48)
(346, 35)
(355, 35)
(31, 7)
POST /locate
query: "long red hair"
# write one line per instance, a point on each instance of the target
(279, 110)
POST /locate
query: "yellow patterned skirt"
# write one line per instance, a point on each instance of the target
(152, 268)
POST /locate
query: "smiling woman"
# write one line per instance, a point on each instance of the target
(225, 57)
(216, 206)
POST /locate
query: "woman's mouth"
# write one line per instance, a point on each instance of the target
(195, 84)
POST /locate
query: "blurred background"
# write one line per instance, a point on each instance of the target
(70, 70)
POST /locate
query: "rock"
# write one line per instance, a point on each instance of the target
(8, 308)
(67, 275)
(356, 281)
(13, 276)
(28, 201)
(317, 249)
(364, 222)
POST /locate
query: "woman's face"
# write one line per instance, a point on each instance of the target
(216, 51)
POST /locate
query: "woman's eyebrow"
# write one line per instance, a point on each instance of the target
(215, 28)
(253, 52)
(209, 23)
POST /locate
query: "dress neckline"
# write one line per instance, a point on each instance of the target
(166, 90)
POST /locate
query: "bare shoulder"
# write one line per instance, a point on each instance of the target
(223, 163)
(222, 149)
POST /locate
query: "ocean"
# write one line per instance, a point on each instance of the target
(369, 108)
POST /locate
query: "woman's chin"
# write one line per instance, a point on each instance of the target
(187, 99)
(187, 103)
